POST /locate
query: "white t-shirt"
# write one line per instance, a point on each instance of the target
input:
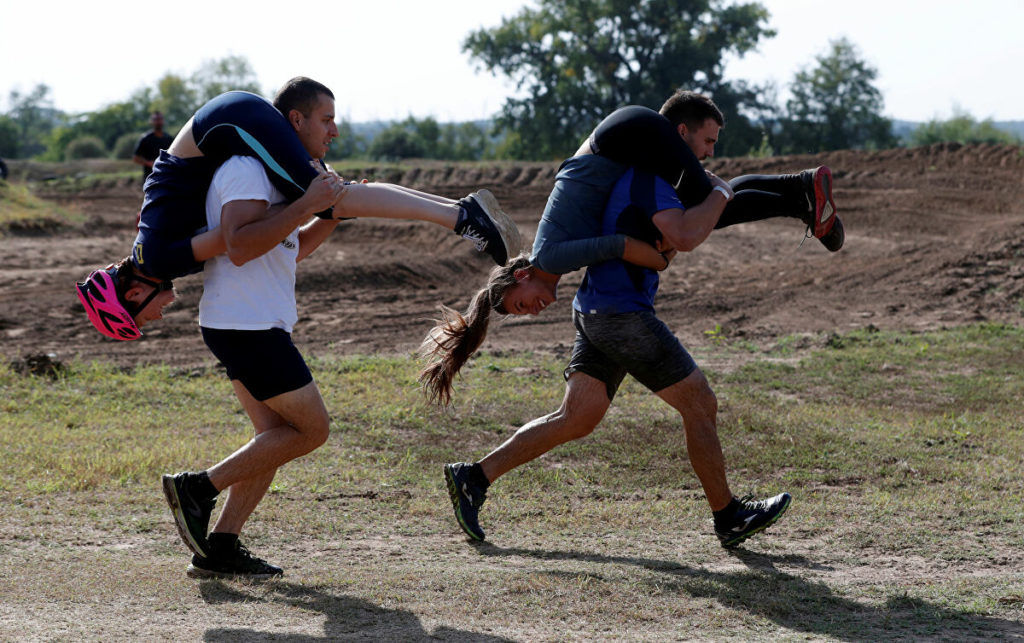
(260, 294)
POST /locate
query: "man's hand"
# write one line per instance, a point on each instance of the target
(325, 191)
(717, 182)
(667, 251)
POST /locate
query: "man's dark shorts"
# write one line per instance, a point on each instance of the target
(266, 362)
(609, 346)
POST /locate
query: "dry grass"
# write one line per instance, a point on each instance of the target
(903, 452)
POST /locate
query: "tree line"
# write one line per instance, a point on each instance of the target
(573, 62)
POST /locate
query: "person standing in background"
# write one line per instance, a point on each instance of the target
(149, 146)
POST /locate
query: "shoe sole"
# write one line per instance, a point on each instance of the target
(823, 218)
(198, 572)
(171, 493)
(502, 222)
(453, 493)
(836, 237)
(740, 539)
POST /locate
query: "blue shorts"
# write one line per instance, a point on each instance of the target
(609, 346)
(266, 362)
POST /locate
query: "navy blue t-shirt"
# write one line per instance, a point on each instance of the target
(615, 286)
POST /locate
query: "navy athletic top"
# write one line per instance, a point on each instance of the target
(174, 206)
(615, 286)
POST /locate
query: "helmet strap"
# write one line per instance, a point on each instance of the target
(158, 287)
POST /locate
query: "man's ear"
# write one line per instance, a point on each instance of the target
(681, 128)
(295, 118)
(521, 274)
(135, 294)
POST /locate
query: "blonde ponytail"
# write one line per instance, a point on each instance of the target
(450, 344)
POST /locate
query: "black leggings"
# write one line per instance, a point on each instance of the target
(640, 137)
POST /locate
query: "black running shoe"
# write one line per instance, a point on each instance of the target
(482, 221)
(467, 497)
(752, 517)
(191, 511)
(237, 562)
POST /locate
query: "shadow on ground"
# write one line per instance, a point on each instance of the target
(798, 604)
(348, 618)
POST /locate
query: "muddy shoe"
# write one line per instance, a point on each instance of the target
(191, 510)
(468, 493)
(482, 221)
(751, 517)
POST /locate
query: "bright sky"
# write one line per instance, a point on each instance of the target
(388, 59)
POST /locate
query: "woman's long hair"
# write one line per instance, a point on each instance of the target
(456, 337)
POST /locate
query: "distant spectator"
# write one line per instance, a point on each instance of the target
(3, 170)
(149, 146)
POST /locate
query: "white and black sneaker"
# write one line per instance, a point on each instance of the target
(751, 517)
(482, 221)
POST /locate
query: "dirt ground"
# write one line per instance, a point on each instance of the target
(935, 237)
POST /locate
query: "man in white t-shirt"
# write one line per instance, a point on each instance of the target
(246, 316)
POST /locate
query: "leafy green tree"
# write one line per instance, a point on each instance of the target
(962, 128)
(10, 137)
(575, 61)
(174, 96)
(214, 77)
(108, 124)
(348, 144)
(462, 142)
(396, 142)
(34, 116)
(836, 106)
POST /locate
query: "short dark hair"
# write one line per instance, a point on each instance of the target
(691, 109)
(300, 93)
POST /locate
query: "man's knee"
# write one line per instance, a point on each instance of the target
(304, 411)
(586, 401)
(692, 396)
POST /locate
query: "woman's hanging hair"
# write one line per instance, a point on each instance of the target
(456, 337)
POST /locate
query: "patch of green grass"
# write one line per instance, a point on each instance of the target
(903, 452)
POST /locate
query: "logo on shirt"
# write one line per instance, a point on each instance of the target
(287, 243)
(137, 251)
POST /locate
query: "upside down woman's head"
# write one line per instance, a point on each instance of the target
(517, 288)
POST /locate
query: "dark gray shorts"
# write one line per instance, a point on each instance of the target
(609, 346)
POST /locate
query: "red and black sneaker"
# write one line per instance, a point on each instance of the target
(821, 207)
(822, 220)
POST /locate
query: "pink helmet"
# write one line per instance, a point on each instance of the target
(103, 306)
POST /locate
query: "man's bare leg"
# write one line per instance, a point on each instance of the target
(584, 404)
(698, 406)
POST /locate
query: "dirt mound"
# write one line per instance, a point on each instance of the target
(935, 236)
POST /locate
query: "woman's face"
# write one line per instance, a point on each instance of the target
(529, 295)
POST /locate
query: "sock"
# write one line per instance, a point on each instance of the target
(204, 486)
(724, 516)
(476, 474)
(222, 541)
